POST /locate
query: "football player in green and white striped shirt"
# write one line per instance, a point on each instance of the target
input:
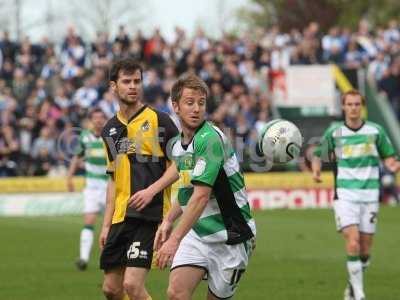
(357, 148)
(216, 232)
(91, 150)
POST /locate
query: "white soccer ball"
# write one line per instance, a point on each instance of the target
(280, 141)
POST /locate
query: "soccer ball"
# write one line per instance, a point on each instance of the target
(280, 141)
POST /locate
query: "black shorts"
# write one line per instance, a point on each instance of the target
(129, 244)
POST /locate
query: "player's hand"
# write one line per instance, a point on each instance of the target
(141, 199)
(70, 184)
(317, 176)
(167, 252)
(394, 167)
(103, 236)
(162, 234)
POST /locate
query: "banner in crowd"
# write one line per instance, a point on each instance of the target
(291, 198)
(53, 204)
(41, 204)
(305, 87)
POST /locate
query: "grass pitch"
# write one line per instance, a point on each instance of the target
(298, 256)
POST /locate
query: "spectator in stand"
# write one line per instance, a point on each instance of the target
(86, 95)
(333, 46)
(44, 141)
(109, 104)
(390, 85)
(8, 48)
(377, 68)
(20, 86)
(9, 151)
(152, 86)
(122, 38)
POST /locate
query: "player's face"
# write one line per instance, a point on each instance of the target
(98, 120)
(128, 87)
(352, 107)
(191, 108)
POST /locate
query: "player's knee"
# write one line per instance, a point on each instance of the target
(176, 293)
(353, 245)
(133, 289)
(112, 292)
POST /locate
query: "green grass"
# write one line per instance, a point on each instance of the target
(298, 256)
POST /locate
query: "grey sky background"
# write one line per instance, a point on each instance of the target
(165, 14)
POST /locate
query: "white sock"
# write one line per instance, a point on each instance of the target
(86, 243)
(355, 270)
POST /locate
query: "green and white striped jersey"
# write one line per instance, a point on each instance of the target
(357, 155)
(93, 152)
(209, 160)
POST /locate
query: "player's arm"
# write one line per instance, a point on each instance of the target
(141, 198)
(108, 212)
(387, 151)
(321, 153)
(164, 230)
(75, 162)
(73, 166)
(196, 205)
(392, 164)
(316, 165)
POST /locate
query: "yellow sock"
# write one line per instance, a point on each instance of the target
(149, 298)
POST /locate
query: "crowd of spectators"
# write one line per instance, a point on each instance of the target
(46, 89)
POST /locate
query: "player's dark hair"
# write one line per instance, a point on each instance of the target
(127, 66)
(190, 81)
(352, 93)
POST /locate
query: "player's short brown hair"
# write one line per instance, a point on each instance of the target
(126, 65)
(352, 93)
(190, 81)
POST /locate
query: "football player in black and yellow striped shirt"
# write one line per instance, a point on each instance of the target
(136, 141)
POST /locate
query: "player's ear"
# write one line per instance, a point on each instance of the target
(113, 86)
(175, 106)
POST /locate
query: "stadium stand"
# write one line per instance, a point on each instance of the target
(46, 89)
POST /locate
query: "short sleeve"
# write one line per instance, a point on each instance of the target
(384, 145)
(209, 159)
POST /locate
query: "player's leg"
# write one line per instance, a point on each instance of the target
(86, 240)
(347, 216)
(369, 215)
(91, 208)
(366, 240)
(189, 266)
(134, 283)
(112, 284)
(140, 236)
(183, 282)
(112, 261)
(227, 264)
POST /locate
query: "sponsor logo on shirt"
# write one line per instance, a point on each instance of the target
(200, 167)
(113, 131)
(145, 126)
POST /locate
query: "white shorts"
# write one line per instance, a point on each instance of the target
(224, 264)
(94, 200)
(364, 215)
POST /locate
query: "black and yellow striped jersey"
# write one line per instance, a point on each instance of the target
(136, 158)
